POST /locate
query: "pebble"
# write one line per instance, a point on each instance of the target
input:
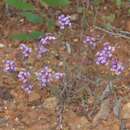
(2, 45)
(74, 17)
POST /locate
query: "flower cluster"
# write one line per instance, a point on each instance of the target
(27, 87)
(105, 57)
(47, 39)
(64, 21)
(58, 75)
(41, 49)
(9, 66)
(23, 76)
(105, 54)
(117, 66)
(90, 41)
(25, 50)
(46, 75)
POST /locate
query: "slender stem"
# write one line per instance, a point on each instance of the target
(117, 34)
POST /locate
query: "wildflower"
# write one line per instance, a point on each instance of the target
(58, 75)
(44, 76)
(25, 50)
(64, 21)
(90, 41)
(105, 54)
(10, 66)
(23, 76)
(27, 87)
(41, 50)
(47, 39)
(117, 67)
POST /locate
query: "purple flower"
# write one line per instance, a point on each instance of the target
(64, 21)
(47, 39)
(44, 76)
(27, 87)
(41, 50)
(10, 66)
(25, 50)
(117, 67)
(23, 76)
(58, 75)
(105, 54)
(90, 41)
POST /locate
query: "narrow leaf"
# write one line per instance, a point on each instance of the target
(20, 4)
(27, 36)
(20, 37)
(31, 17)
(36, 34)
(56, 3)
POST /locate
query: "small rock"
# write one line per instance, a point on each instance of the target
(34, 97)
(21, 20)
(75, 40)
(125, 113)
(50, 103)
(74, 17)
(61, 63)
(2, 45)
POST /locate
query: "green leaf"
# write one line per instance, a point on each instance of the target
(55, 3)
(36, 34)
(20, 37)
(31, 17)
(27, 36)
(20, 4)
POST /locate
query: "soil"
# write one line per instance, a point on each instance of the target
(37, 111)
